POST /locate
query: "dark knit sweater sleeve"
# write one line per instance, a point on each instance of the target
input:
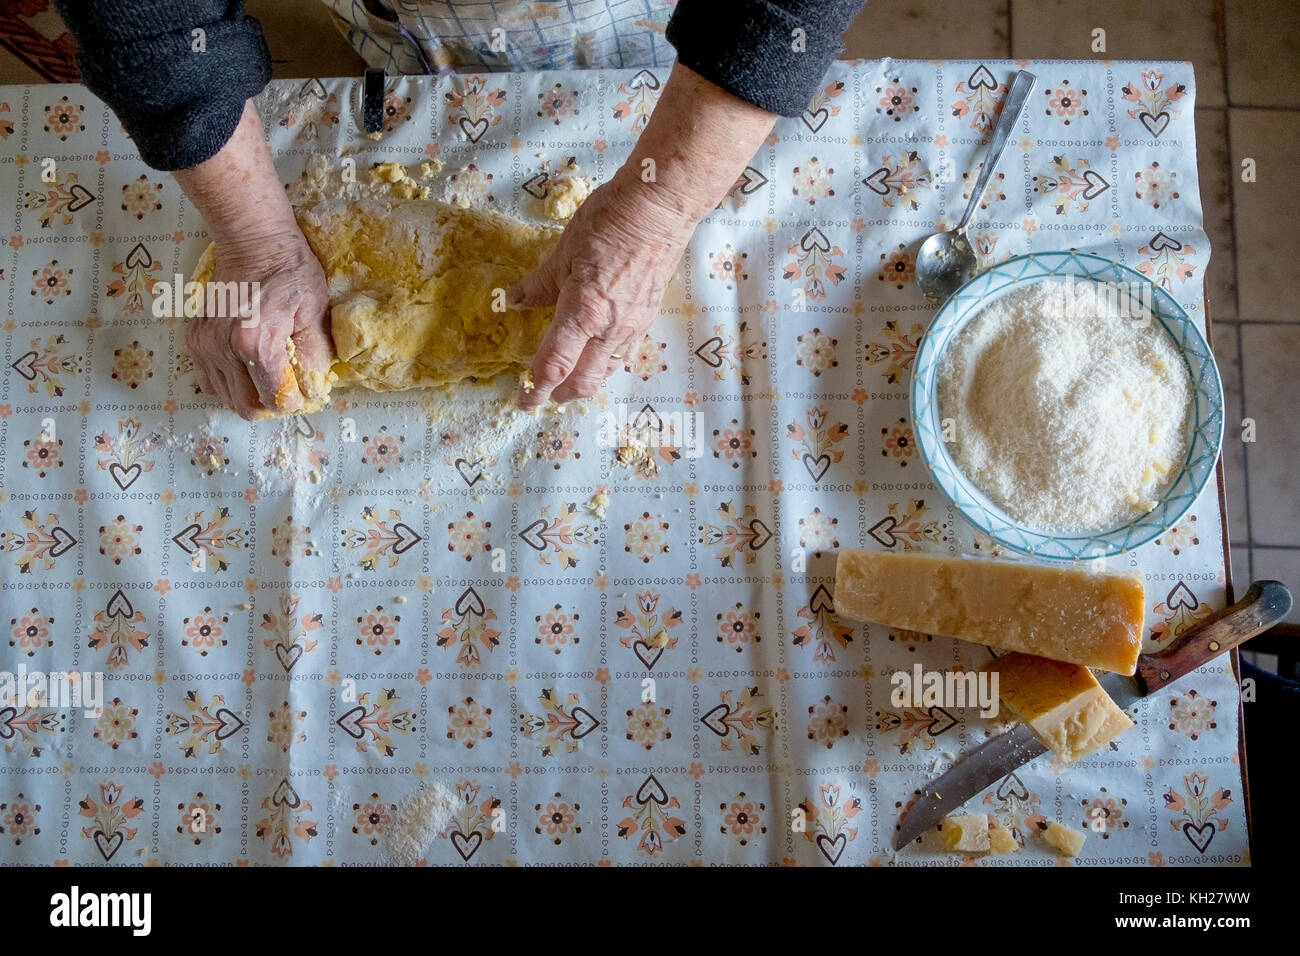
(751, 48)
(178, 93)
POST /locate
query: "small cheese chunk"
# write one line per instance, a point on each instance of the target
(966, 832)
(1062, 703)
(1061, 613)
(1001, 840)
(1065, 841)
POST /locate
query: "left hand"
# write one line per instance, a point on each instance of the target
(606, 279)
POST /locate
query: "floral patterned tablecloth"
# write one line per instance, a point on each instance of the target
(288, 661)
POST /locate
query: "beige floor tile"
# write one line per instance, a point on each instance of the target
(929, 29)
(1263, 41)
(1279, 564)
(1268, 244)
(1234, 451)
(303, 39)
(1154, 30)
(1216, 206)
(1268, 356)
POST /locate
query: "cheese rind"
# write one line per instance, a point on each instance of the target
(1065, 841)
(1062, 703)
(1060, 613)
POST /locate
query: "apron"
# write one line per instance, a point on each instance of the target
(474, 36)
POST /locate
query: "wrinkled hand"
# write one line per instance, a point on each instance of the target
(606, 279)
(246, 364)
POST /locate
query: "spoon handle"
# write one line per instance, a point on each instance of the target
(1014, 105)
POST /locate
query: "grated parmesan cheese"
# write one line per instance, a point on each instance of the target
(419, 819)
(1069, 404)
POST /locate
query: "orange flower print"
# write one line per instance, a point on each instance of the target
(30, 632)
(896, 100)
(1180, 536)
(555, 629)
(377, 630)
(738, 628)
(43, 456)
(469, 187)
(396, 110)
(1066, 102)
(646, 537)
(827, 722)
(282, 730)
(742, 818)
(382, 449)
(469, 723)
(373, 818)
(290, 541)
(1105, 813)
(203, 632)
(557, 103)
(556, 445)
(734, 444)
(118, 539)
(815, 351)
(817, 532)
(899, 442)
(1155, 186)
(469, 535)
(50, 282)
(139, 198)
(18, 819)
(64, 118)
(648, 359)
(132, 364)
(728, 266)
(198, 818)
(1192, 714)
(116, 725)
(897, 268)
(557, 818)
(812, 181)
(648, 725)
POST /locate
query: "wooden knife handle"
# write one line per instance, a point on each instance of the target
(1265, 604)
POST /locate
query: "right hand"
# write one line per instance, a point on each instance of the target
(246, 364)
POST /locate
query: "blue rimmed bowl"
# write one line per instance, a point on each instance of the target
(1205, 419)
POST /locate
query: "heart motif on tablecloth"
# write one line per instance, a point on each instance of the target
(711, 352)
(940, 721)
(652, 791)
(138, 257)
(473, 130)
(303, 426)
(1201, 836)
(814, 238)
(119, 605)
(108, 845)
(1181, 596)
(63, 542)
(285, 795)
(230, 723)
(713, 720)
(647, 655)
(81, 197)
(751, 180)
(187, 538)
(643, 78)
(1011, 786)
(815, 120)
(760, 533)
(1096, 184)
(1162, 242)
(406, 538)
(312, 89)
(538, 186)
(883, 531)
(351, 722)
(469, 603)
(470, 472)
(832, 849)
(821, 600)
(288, 656)
(876, 181)
(26, 365)
(1155, 124)
(816, 466)
(466, 846)
(585, 722)
(7, 714)
(532, 537)
(982, 78)
(125, 477)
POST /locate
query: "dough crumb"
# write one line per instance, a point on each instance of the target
(598, 504)
(567, 191)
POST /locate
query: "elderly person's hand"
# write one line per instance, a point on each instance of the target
(608, 274)
(244, 361)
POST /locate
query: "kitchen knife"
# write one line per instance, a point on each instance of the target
(1265, 604)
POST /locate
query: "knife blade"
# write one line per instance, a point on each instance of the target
(1265, 604)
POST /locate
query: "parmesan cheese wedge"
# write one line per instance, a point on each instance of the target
(1081, 617)
(1062, 703)
(1001, 840)
(1065, 841)
(966, 833)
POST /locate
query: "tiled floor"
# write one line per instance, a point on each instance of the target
(1247, 59)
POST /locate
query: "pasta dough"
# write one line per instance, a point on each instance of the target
(412, 290)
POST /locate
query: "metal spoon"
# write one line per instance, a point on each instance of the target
(946, 260)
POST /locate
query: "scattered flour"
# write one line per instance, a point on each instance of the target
(1070, 406)
(416, 824)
